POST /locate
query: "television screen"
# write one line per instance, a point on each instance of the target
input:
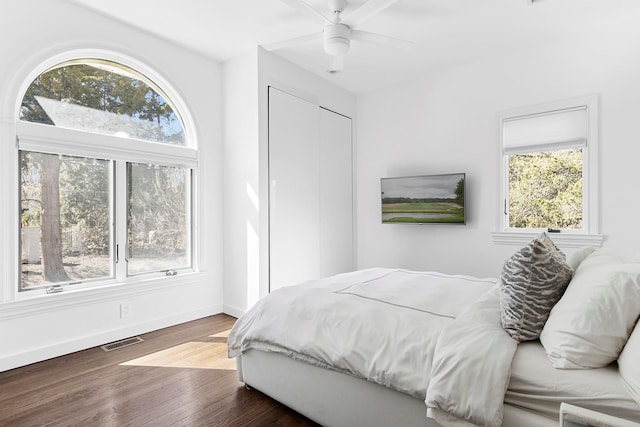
(423, 199)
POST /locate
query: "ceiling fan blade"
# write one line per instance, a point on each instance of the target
(365, 36)
(292, 42)
(336, 64)
(307, 11)
(366, 11)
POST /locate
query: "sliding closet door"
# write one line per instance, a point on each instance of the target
(336, 194)
(294, 205)
(311, 191)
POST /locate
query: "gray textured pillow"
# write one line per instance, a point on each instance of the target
(532, 282)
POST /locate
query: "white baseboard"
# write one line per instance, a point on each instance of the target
(37, 355)
(233, 311)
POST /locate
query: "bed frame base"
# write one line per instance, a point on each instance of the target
(334, 399)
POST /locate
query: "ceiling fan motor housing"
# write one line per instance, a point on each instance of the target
(337, 39)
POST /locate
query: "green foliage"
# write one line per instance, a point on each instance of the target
(447, 207)
(157, 209)
(84, 197)
(460, 192)
(442, 212)
(545, 190)
(100, 89)
(84, 188)
(30, 202)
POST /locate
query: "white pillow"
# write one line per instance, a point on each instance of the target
(578, 256)
(590, 324)
(629, 365)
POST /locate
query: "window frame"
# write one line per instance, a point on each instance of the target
(56, 140)
(589, 234)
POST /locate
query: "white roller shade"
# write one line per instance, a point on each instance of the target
(547, 131)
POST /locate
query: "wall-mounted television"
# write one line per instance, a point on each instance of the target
(423, 199)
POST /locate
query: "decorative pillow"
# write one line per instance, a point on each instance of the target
(532, 282)
(591, 323)
(629, 366)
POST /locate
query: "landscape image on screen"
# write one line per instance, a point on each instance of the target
(423, 199)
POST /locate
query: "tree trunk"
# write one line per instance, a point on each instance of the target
(51, 229)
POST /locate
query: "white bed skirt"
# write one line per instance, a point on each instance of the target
(331, 398)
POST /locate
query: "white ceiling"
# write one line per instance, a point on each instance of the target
(445, 32)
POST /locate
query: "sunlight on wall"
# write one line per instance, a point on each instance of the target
(253, 251)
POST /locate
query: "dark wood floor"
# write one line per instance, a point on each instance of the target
(179, 376)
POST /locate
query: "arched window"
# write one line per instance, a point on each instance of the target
(102, 97)
(106, 177)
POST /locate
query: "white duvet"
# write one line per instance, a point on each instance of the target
(385, 326)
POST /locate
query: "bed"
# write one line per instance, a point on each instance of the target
(381, 347)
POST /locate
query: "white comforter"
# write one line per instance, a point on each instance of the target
(472, 366)
(399, 345)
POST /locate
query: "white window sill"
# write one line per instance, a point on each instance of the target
(42, 303)
(567, 240)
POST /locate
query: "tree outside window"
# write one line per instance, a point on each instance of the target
(545, 190)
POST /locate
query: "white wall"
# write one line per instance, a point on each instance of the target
(32, 329)
(246, 155)
(241, 177)
(448, 123)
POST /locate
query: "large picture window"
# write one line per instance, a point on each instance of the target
(106, 178)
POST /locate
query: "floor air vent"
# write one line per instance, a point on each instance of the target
(122, 343)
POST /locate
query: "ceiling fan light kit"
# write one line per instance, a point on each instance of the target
(337, 39)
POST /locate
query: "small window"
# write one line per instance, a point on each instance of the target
(549, 167)
(106, 178)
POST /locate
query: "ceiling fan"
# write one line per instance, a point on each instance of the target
(339, 30)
